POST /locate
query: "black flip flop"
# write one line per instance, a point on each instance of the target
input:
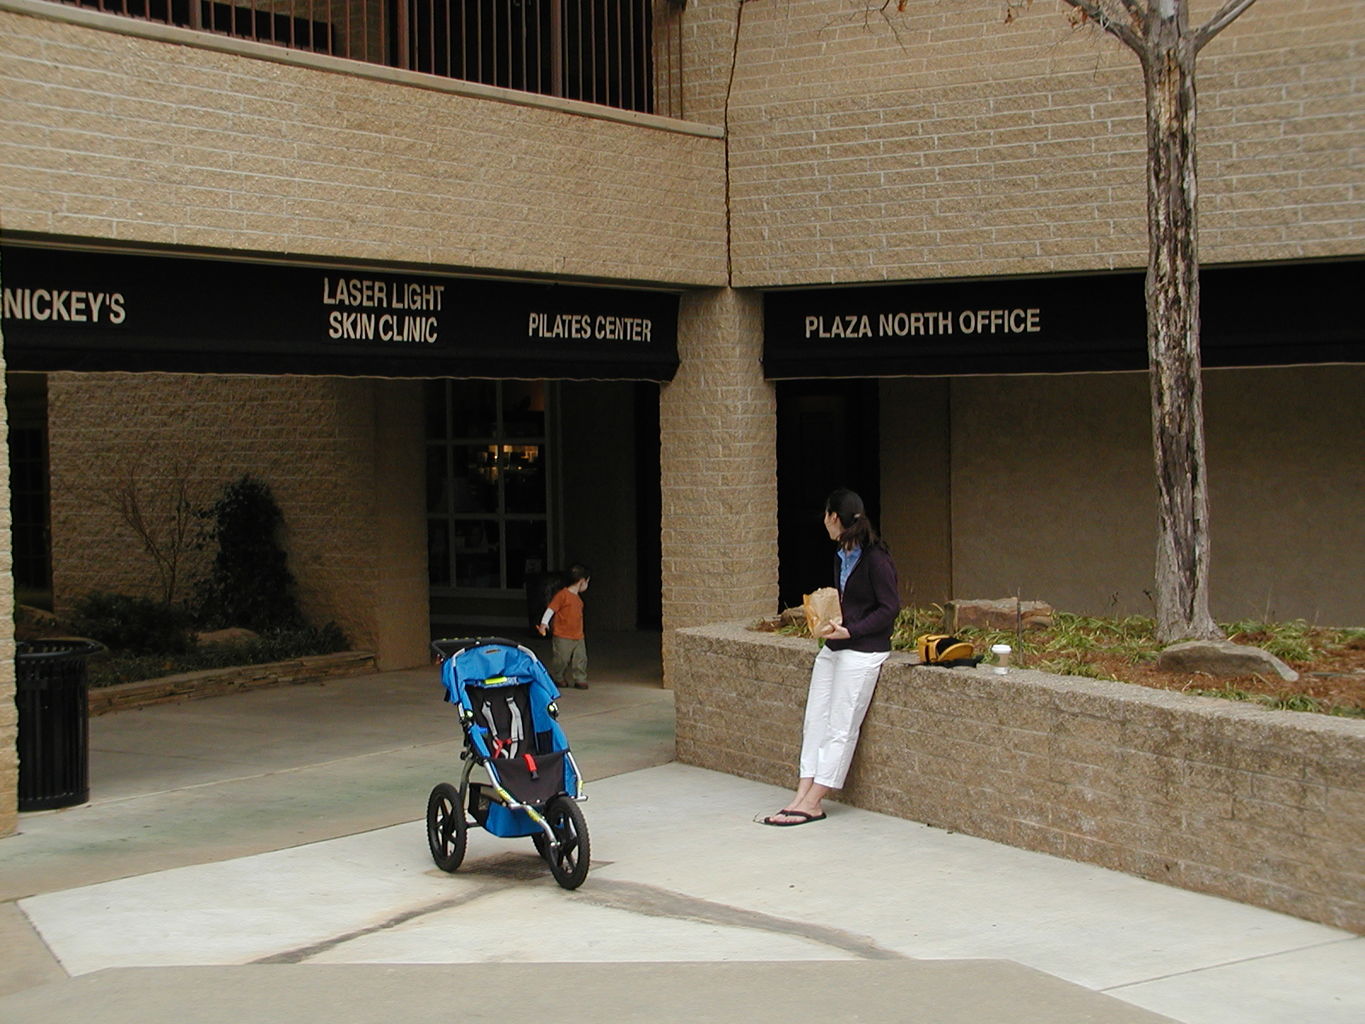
(802, 816)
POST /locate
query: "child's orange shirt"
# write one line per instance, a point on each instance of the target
(568, 620)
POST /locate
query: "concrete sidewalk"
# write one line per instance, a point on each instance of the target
(261, 857)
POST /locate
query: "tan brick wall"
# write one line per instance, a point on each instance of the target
(1263, 807)
(915, 424)
(1050, 491)
(718, 422)
(107, 135)
(398, 481)
(957, 145)
(707, 28)
(352, 509)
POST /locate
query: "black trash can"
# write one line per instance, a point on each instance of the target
(51, 687)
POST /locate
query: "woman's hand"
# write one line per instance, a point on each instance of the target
(833, 631)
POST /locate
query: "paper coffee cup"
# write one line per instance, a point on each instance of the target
(1002, 654)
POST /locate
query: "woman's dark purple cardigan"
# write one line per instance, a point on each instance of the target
(870, 600)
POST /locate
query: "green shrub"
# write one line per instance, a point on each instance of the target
(249, 583)
(138, 625)
(275, 645)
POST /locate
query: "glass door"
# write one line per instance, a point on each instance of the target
(488, 485)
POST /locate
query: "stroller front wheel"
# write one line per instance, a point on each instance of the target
(447, 830)
(570, 853)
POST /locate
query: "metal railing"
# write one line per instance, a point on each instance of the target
(598, 51)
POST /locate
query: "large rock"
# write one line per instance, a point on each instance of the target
(1222, 658)
(1006, 613)
(34, 623)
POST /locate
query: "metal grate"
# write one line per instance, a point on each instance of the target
(599, 51)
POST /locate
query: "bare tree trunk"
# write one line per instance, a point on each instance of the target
(1182, 562)
(1158, 32)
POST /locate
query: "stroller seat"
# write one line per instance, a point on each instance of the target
(523, 757)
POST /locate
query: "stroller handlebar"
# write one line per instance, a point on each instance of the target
(450, 646)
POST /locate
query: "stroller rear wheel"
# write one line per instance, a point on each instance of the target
(570, 853)
(447, 830)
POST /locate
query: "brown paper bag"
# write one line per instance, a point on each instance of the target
(822, 608)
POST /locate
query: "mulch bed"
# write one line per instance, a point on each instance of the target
(1336, 678)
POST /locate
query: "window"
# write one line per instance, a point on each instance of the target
(487, 484)
(599, 51)
(593, 50)
(298, 25)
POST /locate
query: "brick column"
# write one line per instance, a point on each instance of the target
(718, 426)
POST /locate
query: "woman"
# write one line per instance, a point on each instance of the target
(846, 669)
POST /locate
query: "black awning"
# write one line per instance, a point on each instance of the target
(73, 309)
(1261, 315)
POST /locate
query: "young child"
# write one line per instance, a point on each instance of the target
(563, 620)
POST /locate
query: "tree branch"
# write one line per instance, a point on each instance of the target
(1226, 15)
(1124, 31)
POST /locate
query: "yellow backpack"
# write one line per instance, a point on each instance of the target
(948, 651)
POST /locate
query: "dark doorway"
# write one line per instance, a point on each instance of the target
(827, 437)
(648, 509)
(26, 402)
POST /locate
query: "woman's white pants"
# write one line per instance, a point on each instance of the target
(841, 685)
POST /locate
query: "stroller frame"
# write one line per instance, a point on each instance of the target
(509, 721)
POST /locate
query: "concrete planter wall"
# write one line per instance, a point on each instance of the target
(1263, 807)
(216, 682)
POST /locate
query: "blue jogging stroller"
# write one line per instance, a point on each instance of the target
(506, 703)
